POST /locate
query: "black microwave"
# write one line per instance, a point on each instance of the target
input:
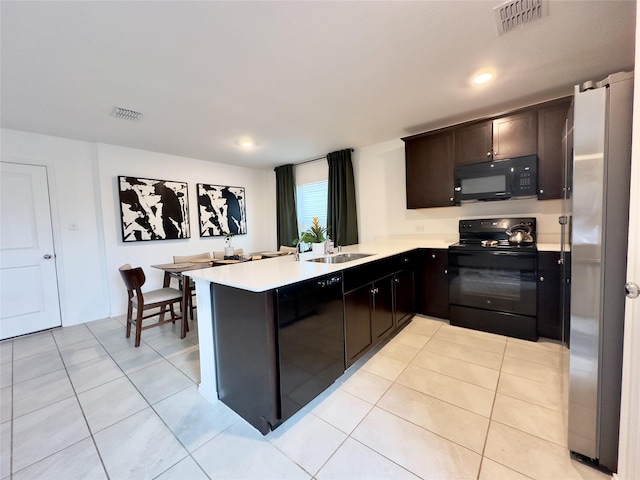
(498, 180)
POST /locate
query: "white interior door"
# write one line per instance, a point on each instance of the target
(28, 284)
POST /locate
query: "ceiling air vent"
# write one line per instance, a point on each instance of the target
(517, 13)
(125, 113)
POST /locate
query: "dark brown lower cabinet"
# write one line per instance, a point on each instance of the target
(368, 314)
(432, 282)
(382, 308)
(550, 309)
(379, 298)
(357, 322)
(403, 294)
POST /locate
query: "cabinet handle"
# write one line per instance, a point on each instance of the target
(433, 255)
(451, 199)
(541, 191)
(446, 272)
(488, 154)
(397, 280)
(542, 279)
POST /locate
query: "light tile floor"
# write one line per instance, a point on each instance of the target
(436, 402)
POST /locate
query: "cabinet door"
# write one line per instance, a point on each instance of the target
(551, 121)
(473, 143)
(429, 170)
(382, 308)
(403, 290)
(515, 135)
(550, 280)
(357, 319)
(432, 283)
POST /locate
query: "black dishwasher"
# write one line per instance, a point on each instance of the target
(310, 334)
(277, 350)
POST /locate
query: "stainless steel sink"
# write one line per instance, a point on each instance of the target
(340, 258)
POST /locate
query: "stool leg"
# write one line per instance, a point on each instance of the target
(129, 318)
(139, 327)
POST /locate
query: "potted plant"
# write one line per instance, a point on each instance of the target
(229, 251)
(315, 235)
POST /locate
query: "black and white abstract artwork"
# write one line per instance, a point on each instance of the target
(221, 210)
(153, 209)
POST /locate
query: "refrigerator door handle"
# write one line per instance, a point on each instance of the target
(631, 290)
(562, 220)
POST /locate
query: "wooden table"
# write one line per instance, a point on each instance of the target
(178, 271)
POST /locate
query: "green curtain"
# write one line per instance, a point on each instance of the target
(342, 220)
(286, 205)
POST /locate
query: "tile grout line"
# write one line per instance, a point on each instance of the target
(148, 403)
(495, 395)
(13, 352)
(151, 406)
(189, 454)
(84, 416)
(76, 395)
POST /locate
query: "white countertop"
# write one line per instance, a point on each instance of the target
(270, 273)
(548, 247)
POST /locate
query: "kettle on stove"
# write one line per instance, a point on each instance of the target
(520, 234)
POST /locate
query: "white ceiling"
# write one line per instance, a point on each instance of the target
(301, 78)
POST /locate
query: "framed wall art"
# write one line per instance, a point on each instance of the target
(153, 209)
(221, 210)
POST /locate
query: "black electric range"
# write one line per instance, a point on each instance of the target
(488, 234)
(493, 282)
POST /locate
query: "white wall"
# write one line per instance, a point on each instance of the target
(83, 189)
(71, 167)
(113, 161)
(381, 195)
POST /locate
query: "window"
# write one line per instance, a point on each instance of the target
(311, 201)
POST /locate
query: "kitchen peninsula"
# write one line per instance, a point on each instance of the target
(282, 330)
(262, 313)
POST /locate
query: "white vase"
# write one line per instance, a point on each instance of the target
(229, 251)
(318, 248)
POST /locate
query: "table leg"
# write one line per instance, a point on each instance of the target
(185, 305)
(165, 284)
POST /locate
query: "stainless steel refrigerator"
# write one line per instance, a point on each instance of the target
(597, 208)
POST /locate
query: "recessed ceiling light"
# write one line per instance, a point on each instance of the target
(482, 77)
(246, 143)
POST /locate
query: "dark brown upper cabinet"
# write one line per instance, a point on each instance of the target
(431, 157)
(551, 124)
(474, 143)
(515, 135)
(429, 164)
(505, 137)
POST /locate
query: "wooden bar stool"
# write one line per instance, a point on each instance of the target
(134, 278)
(192, 286)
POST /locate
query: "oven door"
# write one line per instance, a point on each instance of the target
(503, 281)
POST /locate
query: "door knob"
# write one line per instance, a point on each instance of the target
(631, 290)
(48, 256)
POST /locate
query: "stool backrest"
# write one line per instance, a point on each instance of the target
(186, 258)
(133, 278)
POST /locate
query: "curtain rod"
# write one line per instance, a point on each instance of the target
(314, 159)
(309, 161)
